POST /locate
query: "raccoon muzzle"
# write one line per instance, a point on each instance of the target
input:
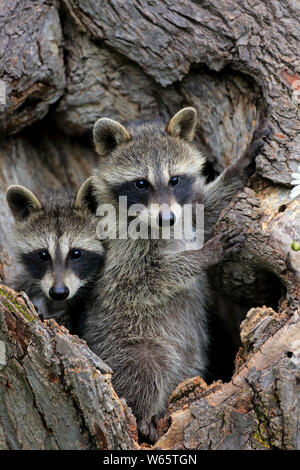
(60, 292)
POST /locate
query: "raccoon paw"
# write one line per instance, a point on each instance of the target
(233, 240)
(148, 430)
(221, 246)
(263, 130)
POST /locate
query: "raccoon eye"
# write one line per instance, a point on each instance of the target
(175, 181)
(141, 185)
(76, 254)
(44, 255)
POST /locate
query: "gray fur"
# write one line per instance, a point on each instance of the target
(59, 219)
(150, 322)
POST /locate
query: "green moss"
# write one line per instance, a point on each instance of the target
(259, 438)
(13, 301)
(295, 246)
(28, 317)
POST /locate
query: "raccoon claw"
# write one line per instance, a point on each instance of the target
(263, 131)
(148, 431)
(220, 246)
(233, 240)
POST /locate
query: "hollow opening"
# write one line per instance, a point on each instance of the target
(229, 106)
(226, 314)
(282, 208)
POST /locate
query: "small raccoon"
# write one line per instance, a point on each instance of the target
(58, 250)
(150, 322)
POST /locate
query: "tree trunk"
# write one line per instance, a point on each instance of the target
(55, 393)
(65, 63)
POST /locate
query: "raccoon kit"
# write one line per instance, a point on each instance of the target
(59, 253)
(150, 323)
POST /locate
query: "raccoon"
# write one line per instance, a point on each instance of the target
(57, 246)
(150, 322)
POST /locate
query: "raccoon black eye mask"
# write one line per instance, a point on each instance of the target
(82, 262)
(85, 263)
(36, 263)
(142, 192)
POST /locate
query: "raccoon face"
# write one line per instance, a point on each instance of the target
(56, 240)
(151, 165)
(61, 273)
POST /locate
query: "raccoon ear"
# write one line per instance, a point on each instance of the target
(108, 134)
(85, 198)
(22, 202)
(183, 124)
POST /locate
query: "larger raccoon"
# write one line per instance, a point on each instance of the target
(150, 323)
(58, 249)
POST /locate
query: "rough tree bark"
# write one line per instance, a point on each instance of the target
(55, 393)
(65, 63)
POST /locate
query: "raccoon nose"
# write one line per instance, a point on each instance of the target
(59, 292)
(166, 219)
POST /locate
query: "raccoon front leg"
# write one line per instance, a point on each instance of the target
(219, 193)
(218, 248)
(184, 265)
(149, 430)
(141, 376)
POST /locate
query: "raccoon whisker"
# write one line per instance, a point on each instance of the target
(83, 293)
